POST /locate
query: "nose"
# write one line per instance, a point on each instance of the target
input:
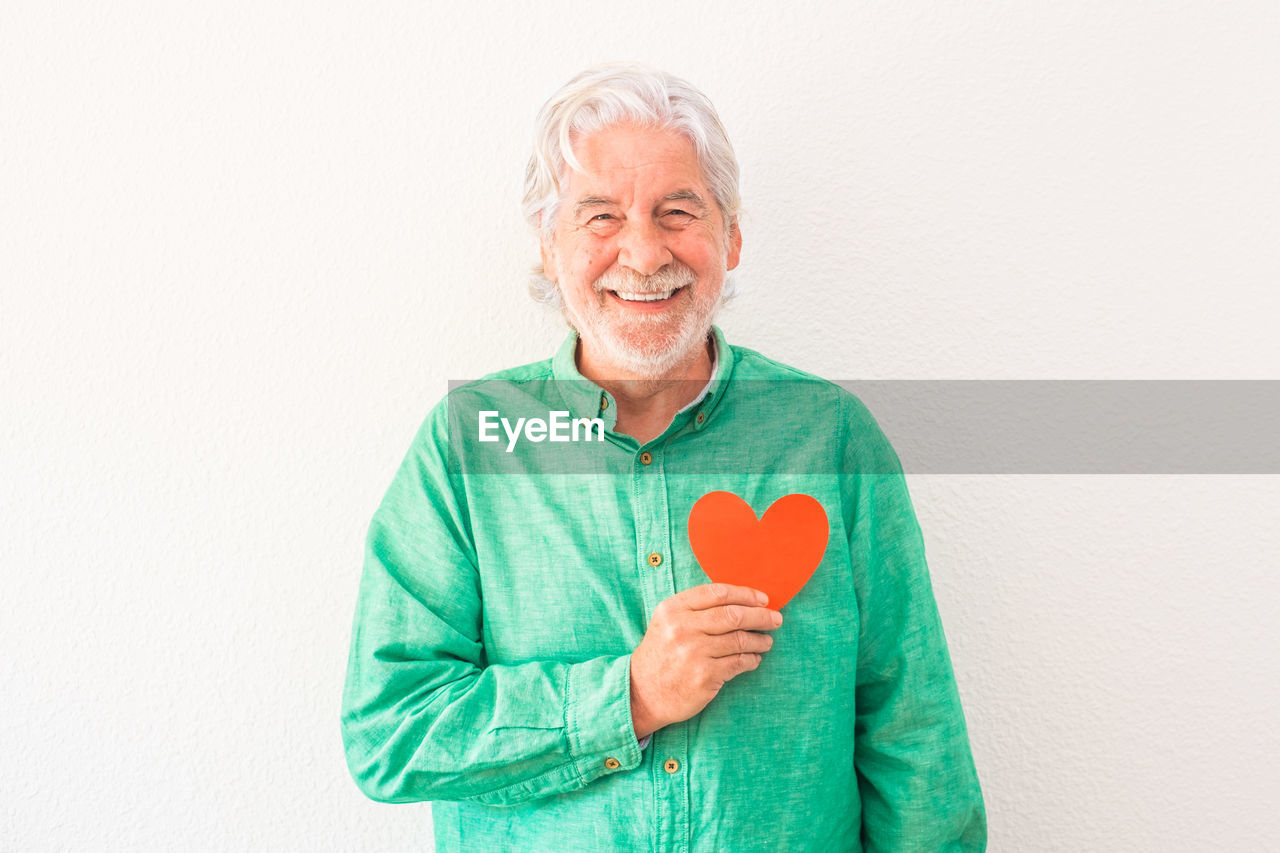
(642, 246)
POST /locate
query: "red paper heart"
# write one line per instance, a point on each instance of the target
(776, 554)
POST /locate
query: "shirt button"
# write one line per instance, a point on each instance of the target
(612, 763)
(671, 766)
(701, 418)
(655, 559)
(604, 402)
(646, 458)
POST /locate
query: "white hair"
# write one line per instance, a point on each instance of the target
(612, 94)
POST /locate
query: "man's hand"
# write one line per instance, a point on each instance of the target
(698, 639)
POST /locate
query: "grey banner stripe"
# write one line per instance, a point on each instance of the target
(1079, 426)
(955, 426)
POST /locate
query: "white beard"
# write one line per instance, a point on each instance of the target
(641, 346)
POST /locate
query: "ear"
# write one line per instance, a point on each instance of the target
(735, 245)
(549, 271)
(548, 253)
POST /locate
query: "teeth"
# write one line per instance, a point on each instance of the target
(644, 297)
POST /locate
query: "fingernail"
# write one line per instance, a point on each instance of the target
(762, 598)
(777, 618)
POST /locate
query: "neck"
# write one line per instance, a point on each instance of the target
(647, 404)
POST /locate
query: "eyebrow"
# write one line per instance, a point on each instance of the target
(686, 195)
(592, 201)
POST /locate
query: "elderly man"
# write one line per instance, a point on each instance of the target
(536, 645)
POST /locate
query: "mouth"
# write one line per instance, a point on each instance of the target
(649, 300)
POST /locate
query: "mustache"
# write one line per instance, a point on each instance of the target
(667, 278)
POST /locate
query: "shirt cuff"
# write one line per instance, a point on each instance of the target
(602, 737)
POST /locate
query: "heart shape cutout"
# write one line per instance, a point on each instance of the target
(776, 554)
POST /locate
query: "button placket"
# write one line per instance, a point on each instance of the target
(652, 514)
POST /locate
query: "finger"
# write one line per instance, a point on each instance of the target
(718, 594)
(734, 665)
(735, 617)
(738, 642)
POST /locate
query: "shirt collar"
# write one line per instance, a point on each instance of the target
(585, 398)
(715, 367)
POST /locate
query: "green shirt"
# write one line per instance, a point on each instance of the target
(504, 590)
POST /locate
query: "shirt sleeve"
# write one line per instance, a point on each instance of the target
(424, 717)
(916, 776)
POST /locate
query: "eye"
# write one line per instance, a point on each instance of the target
(601, 217)
(678, 212)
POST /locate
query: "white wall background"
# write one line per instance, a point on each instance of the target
(244, 245)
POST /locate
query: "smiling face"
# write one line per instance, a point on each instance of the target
(639, 252)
